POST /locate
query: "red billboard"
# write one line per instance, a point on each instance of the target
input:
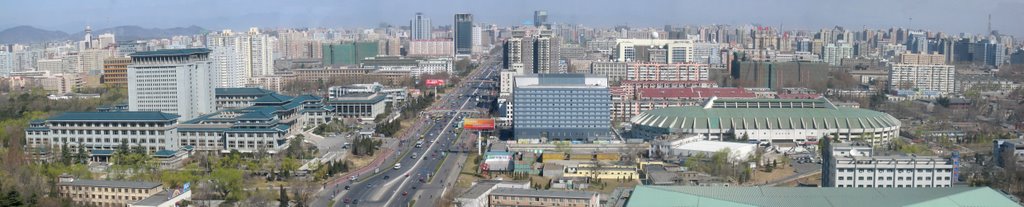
(434, 82)
(478, 124)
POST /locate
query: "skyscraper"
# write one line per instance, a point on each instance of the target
(545, 53)
(540, 18)
(420, 26)
(254, 49)
(463, 34)
(178, 81)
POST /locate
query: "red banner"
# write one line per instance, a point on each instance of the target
(478, 124)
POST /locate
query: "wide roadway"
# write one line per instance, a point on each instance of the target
(396, 187)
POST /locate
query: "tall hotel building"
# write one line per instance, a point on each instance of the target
(179, 81)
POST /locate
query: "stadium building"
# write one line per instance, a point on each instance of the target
(767, 120)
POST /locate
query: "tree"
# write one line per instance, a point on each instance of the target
(228, 183)
(83, 156)
(283, 198)
(12, 198)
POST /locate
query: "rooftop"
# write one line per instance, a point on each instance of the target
(112, 183)
(654, 196)
(242, 91)
(171, 52)
(769, 114)
(114, 116)
(695, 93)
(542, 193)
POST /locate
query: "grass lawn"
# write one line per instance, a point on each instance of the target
(468, 173)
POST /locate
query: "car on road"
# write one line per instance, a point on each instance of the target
(398, 166)
(347, 200)
(405, 193)
(348, 187)
(387, 177)
(414, 155)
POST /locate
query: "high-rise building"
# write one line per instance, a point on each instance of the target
(478, 42)
(545, 53)
(639, 50)
(463, 34)
(779, 74)
(229, 64)
(177, 81)
(666, 72)
(421, 28)
(937, 78)
(540, 18)
(833, 54)
(431, 48)
(570, 107)
(255, 49)
(349, 53)
(115, 72)
(518, 53)
(917, 42)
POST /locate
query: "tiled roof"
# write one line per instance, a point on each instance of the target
(170, 52)
(272, 98)
(697, 196)
(242, 91)
(112, 183)
(114, 116)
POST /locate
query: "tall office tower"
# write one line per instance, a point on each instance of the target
(420, 26)
(463, 34)
(567, 107)
(349, 53)
(833, 54)
(545, 53)
(86, 43)
(177, 81)
(540, 18)
(917, 42)
(938, 78)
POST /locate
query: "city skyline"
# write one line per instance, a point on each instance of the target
(969, 17)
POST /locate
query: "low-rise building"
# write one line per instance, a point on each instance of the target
(856, 167)
(703, 196)
(365, 106)
(477, 195)
(529, 197)
(106, 192)
(105, 130)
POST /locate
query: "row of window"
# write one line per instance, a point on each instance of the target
(902, 170)
(889, 186)
(898, 178)
(100, 132)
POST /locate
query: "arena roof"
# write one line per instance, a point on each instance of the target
(765, 114)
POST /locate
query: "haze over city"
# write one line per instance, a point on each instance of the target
(487, 103)
(950, 16)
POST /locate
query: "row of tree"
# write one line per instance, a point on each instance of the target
(365, 146)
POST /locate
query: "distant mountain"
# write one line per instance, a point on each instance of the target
(139, 33)
(29, 34)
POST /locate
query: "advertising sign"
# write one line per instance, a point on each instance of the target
(478, 124)
(434, 82)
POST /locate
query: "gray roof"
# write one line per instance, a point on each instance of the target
(542, 193)
(112, 183)
(479, 189)
(114, 116)
(653, 196)
(171, 52)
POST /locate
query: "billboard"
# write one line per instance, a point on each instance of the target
(434, 82)
(478, 124)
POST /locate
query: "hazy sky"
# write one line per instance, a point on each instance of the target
(941, 15)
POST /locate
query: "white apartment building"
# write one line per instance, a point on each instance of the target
(431, 48)
(666, 72)
(937, 78)
(228, 63)
(178, 81)
(857, 167)
(833, 54)
(679, 51)
(255, 49)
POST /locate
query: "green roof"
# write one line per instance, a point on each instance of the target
(171, 52)
(114, 116)
(272, 98)
(697, 196)
(783, 114)
(242, 92)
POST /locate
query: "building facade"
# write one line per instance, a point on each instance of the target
(463, 27)
(935, 78)
(115, 72)
(856, 167)
(106, 192)
(561, 107)
(104, 130)
(179, 81)
(529, 197)
(667, 72)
